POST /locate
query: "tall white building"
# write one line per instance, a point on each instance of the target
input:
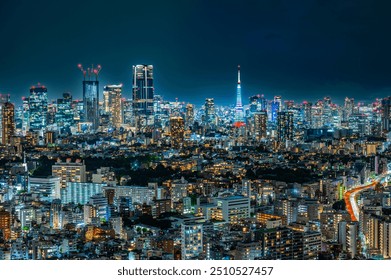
(192, 240)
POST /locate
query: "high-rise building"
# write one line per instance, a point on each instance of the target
(177, 129)
(348, 237)
(284, 126)
(91, 96)
(91, 102)
(260, 125)
(64, 114)
(239, 112)
(189, 115)
(55, 214)
(69, 172)
(255, 103)
(127, 111)
(386, 114)
(348, 109)
(112, 104)
(38, 107)
(210, 114)
(51, 116)
(192, 240)
(7, 120)
(275, 107)
(5, 224)
(25, 115)
(308, 113)
(143, 93)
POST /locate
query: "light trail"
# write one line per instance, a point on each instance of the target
(350, 198)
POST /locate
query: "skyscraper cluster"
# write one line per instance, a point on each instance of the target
(132, 175)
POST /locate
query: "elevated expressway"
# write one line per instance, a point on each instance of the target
(350, 196)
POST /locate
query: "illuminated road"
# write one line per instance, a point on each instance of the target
(350, 198)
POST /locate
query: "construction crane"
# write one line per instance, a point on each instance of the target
(90, 72)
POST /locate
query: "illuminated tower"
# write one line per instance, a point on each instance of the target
(7, 120)
(91, 95)
(239, 112)
(112, 102)
(143, 93)
(38, 107)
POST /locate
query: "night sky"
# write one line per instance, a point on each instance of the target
(298, 49)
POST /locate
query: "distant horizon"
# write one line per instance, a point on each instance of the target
(312, 49)
(127, 93)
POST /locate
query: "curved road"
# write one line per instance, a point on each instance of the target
(350, 199)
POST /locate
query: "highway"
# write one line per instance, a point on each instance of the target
(350, 197)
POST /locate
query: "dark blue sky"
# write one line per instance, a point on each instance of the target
(297, 49)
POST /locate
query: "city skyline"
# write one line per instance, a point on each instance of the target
(195, 130)
(199, 102)
(337, 55)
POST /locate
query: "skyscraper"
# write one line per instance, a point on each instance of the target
(25, 115)
(91, 95)
(210, 115)
(90, 102)
(7, 120)
(386, 114)
(64, 114)
(189, 115)
(348, 109)
(260, 125)
(38, 107)
(239, 112)
(112, 103)
(275, 107)
(284, 126)
(127, 106)
(143, 93)
(308, 113)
